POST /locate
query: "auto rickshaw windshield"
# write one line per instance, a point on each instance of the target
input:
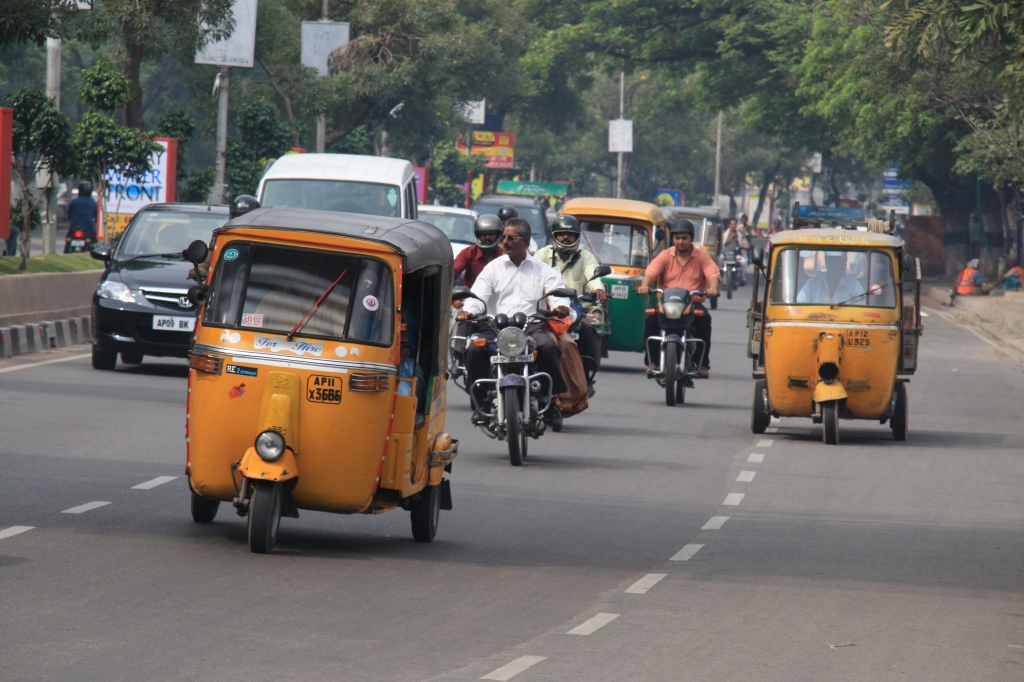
(828, 276)
(613, 244)
(272, 288)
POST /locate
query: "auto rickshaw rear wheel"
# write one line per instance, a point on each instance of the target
(264, 516)
(204, 510)
(425, 514)
(900, 419)
(830, 422)
(759, 416)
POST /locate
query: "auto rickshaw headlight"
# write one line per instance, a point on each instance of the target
(512, 341)
(270, 445)
(673, 309)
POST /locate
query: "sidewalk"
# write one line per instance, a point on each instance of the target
(1004, 309)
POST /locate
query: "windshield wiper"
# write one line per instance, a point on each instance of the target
(866, 293)
(315, 306)
(176, 254)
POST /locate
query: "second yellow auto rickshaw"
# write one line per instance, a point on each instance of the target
(318, 370)
(834, 333)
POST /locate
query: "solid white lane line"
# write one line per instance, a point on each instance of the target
(159, 480)
(594, 624)
(733, 499)
(686, 553)
(756, 457)
(772, 429)
(30, 365)
(746, 476)
(88, 506)
(510, 670)
(14, 530)
(765, 443)
(647, 582)
(715, 523)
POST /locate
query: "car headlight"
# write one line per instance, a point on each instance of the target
(115, 290)
(512, 341)
(673, 309)
(270, 445)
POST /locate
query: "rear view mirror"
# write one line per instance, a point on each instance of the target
(101, 253)
(196, 252)
(561, 293)
(602, 271)
(757, 257)
(659, 235)
(461, 293)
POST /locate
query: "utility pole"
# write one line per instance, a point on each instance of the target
(321, 120)
(53, 50)
(622, 115)
(218, 192)
(718, 159)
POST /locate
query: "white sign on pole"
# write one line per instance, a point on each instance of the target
(474, 112)
(814, 165)
(620, 136)
(239, 49)
(319, 41)
(129, 196)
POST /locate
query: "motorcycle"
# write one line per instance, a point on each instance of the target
(77, 242)
(459, 339)
(519, 396)
(681, 353)
(730, 267)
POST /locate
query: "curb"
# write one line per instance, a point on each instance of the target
(982, 306)
(23, 339)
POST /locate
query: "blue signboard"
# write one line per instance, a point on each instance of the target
(891, 182)
(670, 197)
(837, 213)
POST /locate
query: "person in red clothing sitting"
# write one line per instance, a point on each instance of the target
(683, 266)
(471, 261)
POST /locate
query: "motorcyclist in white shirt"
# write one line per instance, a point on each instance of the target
(510, 284)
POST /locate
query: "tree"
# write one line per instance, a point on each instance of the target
(178, 125)
(32, 21)
(449, 171)
(101, 143)
(41, 144)
(262, 137)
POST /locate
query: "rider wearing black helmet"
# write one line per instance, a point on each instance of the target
(507, 213)
(82, 215)
(683, 266)
(473, 259)
(241, 205)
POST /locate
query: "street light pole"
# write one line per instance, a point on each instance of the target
(53, 50)
(218, 193)
(321, 120)
(718, 158)
(622, 115)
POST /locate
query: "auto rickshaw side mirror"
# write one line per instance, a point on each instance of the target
(758, 256)
(659, 235)
(909, 266)
(196, 252)
(601, 271)
(101, 253)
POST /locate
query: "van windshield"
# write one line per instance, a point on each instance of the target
(367, 198)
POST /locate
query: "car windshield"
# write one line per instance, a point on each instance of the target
(615, 244)
(271, 288)
(535, 216)
(367, 198)
(154, 232)
(457, 226)
(827, 276)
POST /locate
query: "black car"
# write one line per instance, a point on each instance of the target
(141, 305)
(530, 208)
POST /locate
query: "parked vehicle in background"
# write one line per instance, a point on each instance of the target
(141, 306)
(456, 223)
(349, 183)
(532, 209)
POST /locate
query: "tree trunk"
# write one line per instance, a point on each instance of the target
(769, 178)
(134, 110)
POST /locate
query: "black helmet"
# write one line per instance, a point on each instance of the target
(85, 189)
(683, 226)
(563, 224)
(487, 224)
(507, 213)
(242, 204)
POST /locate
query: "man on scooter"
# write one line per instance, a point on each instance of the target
(683, 266)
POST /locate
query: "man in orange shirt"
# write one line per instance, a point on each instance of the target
(683, 266)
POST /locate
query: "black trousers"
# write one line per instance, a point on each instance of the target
(549, 356)
(588, 342)
(701, 329)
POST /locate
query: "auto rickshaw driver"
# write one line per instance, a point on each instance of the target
(836, 286)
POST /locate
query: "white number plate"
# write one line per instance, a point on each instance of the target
(498, 359)
(620, 291)
(77, 242)
(574, 336)
(174, 324)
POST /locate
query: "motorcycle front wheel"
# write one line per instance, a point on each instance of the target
(512, 427)
(671, 353)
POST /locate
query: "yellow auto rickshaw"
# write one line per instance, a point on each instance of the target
(834, 333)
(318, 369)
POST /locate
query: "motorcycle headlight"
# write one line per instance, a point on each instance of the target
(270, 445)
(573, 314)
(115, 290)
(512, 341)
(673, 309)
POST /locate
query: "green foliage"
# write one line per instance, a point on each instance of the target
(356, 142)
(32, 21)
(197, 188)
(72, 262)
(448, 171)
(178, 125)
(103, 87)
(26, 214)
(104, 146)
(41, 135)
(262, 137)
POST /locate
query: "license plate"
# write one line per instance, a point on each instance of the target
(574, 336)
(499, 359)
(77, 242)
(174, 324)
(620, 291)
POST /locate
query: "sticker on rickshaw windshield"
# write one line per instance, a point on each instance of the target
(252, 320)
(371, 303)
(242, 370)
(620, 291)
(323, 388)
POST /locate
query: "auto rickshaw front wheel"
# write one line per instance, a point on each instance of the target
(759, 415)
(425, 514)
(264, 516)
(900, 419)
(830, 422)
(512, 427)
(204, 510)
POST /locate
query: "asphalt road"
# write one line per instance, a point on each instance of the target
(872, 560)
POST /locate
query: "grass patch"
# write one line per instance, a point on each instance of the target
(72, 262)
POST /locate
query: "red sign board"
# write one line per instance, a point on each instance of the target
(497, 148)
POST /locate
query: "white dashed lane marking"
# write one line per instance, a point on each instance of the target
(647, 582)
(82, 508)
(686, 553)
(594, 624)
(746, 476)
(715, 523)
(772, 429)
(510, 670)
(765, 443)
(159, 480)
(733, 499)
(756, 457)
(14, 530)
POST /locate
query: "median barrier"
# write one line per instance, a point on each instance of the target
(46, 296)
(22, 339)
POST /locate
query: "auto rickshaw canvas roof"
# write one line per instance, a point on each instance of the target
(835, 237)
(420, 243)
(614, 208)
(693, 212)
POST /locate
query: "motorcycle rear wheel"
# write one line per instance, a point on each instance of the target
(512, 428)
(671, 352)
(728, 283)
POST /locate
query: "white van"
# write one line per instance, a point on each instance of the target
(371, 185)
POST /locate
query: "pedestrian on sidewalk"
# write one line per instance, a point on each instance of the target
(969, 283)
(1013, 278)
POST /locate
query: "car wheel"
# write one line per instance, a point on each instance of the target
(102, 359)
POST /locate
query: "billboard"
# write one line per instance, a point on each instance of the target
(533, 189)
(319, 40)
(669, 197)
(498, 149)
(839, 213)
(620, 136)
(422, 178)
(891, 184)
(124, 197)
(238, 49)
